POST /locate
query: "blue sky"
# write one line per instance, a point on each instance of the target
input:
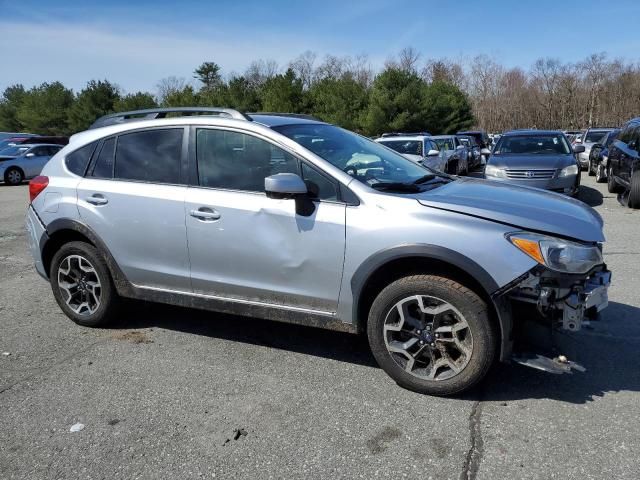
(137, 43)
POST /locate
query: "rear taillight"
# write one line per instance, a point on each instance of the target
(36, 185)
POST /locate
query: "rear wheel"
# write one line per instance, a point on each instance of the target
(431, 334)
(82, 285)
(13, 176)
(634, 191)
(612, 186)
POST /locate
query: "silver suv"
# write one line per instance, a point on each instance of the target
(291, 219)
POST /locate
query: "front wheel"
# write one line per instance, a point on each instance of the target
(590, 168)
(13, 176)
(431, 334)
(82, 285)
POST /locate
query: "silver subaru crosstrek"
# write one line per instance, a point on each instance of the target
(287, 218)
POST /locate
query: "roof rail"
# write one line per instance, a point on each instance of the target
(303, 116)
(153, 113)
(406, 134)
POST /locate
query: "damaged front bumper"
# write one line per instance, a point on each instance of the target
(541, 302)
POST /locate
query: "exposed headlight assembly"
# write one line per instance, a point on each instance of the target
(569, 171)
(556, 253)
(493, 171)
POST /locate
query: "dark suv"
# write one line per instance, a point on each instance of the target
(623, 166)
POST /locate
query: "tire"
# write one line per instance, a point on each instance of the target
(600, 175)
(13, 176)
(612, 186)
(590, 168)
(80, 263)
(453, 167)
(451, 375)
(634, 191)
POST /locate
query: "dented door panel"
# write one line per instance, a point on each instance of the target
(260, 249)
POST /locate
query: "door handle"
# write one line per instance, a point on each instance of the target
(97, 199)
(205, 214)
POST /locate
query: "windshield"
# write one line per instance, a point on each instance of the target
(411, 147)
(13, 151)
(594, 137)
(363, 159)
(611, 137)
(444, 143)
(552, 144)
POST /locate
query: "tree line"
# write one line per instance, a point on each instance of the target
(408, 94)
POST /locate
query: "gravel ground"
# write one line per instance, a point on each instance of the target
(174, 393)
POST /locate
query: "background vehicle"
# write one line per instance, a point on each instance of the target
(623, 164)
(6, 135)
(24, 161)
(474, 150)
(418, 148)
(455, 153)
(483, 141)
(591, 137)
(317, 225)
(536, 158)
(599, 156)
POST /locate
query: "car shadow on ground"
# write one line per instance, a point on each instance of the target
(610, 351)
(590, 196)
(340, 346)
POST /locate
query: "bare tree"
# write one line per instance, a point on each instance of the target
(303, 67)
(408, 59)
(168, 86)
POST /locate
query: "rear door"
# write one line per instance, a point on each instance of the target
(246, 246)
(133, 198)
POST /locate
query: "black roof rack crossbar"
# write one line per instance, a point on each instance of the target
(153, 113)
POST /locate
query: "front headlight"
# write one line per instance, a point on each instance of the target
(557, 254)
(569, 171)
(493, 171)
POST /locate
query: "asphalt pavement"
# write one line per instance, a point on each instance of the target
(176, 393)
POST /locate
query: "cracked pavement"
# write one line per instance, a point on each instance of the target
(169, 392)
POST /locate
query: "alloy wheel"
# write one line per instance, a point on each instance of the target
(79, 284)
(428, 337)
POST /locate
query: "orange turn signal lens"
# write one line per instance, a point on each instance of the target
(530, 247)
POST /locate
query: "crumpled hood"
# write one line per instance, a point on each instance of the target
(523, 207)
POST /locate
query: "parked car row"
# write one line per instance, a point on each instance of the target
(453, 154)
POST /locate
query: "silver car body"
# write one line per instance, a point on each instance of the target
(590, 137)
(435, 162)
(30, 160)
(259, 257)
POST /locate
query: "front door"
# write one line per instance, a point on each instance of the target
(246, 246)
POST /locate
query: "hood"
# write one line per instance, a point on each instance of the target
(413, 158)
(523, 207)
(531, 161)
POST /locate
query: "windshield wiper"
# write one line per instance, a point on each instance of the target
(424, 178)
(397, 186)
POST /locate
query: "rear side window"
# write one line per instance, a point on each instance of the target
(78, 160)
(237, 161)
(104, 163)
(149, 156)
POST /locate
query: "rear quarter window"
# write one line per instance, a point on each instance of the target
(78, 160)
